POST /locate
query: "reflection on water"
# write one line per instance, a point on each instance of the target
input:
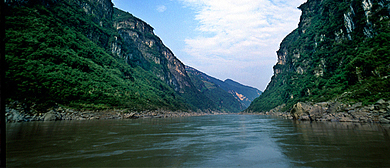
(334, 144)
(205, 141)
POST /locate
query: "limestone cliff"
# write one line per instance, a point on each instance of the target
(153, 55)
(147, 50)
(340, 51)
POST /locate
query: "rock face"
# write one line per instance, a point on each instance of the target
(153, 54)
(50, 116)
(138, 44)
(332, 53)
(335, 111)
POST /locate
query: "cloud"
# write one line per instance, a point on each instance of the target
(239, 33)
(161, 8)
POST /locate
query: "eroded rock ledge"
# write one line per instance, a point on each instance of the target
(336, 112)
(60, 113)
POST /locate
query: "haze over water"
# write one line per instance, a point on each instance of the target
(206, 141)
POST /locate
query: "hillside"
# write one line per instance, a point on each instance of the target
(86, 54)
(222, 99)
(245, 94)
(149, 52)
(226, 93)
(340, 52)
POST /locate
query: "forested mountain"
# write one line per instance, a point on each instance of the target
(88, 54)
(245, 94)
(227, 95)
(340, 51)
(222, 99)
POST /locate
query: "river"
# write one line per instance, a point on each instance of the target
(201, 141)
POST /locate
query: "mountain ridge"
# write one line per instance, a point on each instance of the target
(242, 93)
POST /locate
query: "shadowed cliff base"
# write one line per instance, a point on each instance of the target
(61, 113)
(334, 112)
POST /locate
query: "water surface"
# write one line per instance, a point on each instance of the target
(204, 141)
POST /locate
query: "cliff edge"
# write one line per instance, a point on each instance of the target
(339, 52)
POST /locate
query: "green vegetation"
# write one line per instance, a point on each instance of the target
(60, 55)
(221, 99)
(204, 82)
(337, 64)
(148, 53)
(250, 93)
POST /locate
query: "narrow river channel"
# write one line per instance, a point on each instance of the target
(203, 141)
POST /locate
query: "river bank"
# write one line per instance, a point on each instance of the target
(335, 112)
(305, 111)
(61, 113)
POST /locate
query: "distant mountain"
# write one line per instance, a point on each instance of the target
(245, 94)
(217, 89)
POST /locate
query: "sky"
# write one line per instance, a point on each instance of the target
(226, 39)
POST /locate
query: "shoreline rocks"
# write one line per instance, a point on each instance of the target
(336, 112)
(305, 111)
(60, 113)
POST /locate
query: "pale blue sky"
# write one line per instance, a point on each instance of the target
(223, 38)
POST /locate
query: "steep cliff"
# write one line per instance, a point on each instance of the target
(87, 54)
(340, 51)
(228, 95)
(149, 52)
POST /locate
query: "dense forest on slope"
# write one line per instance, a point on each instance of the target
(217, 89)
(340, 51)
(221, 98)
(245, 94)
(56, 53)
(149, 52)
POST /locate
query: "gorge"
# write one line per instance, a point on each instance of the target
(90, 55)
(87, 54)
(97, 68)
